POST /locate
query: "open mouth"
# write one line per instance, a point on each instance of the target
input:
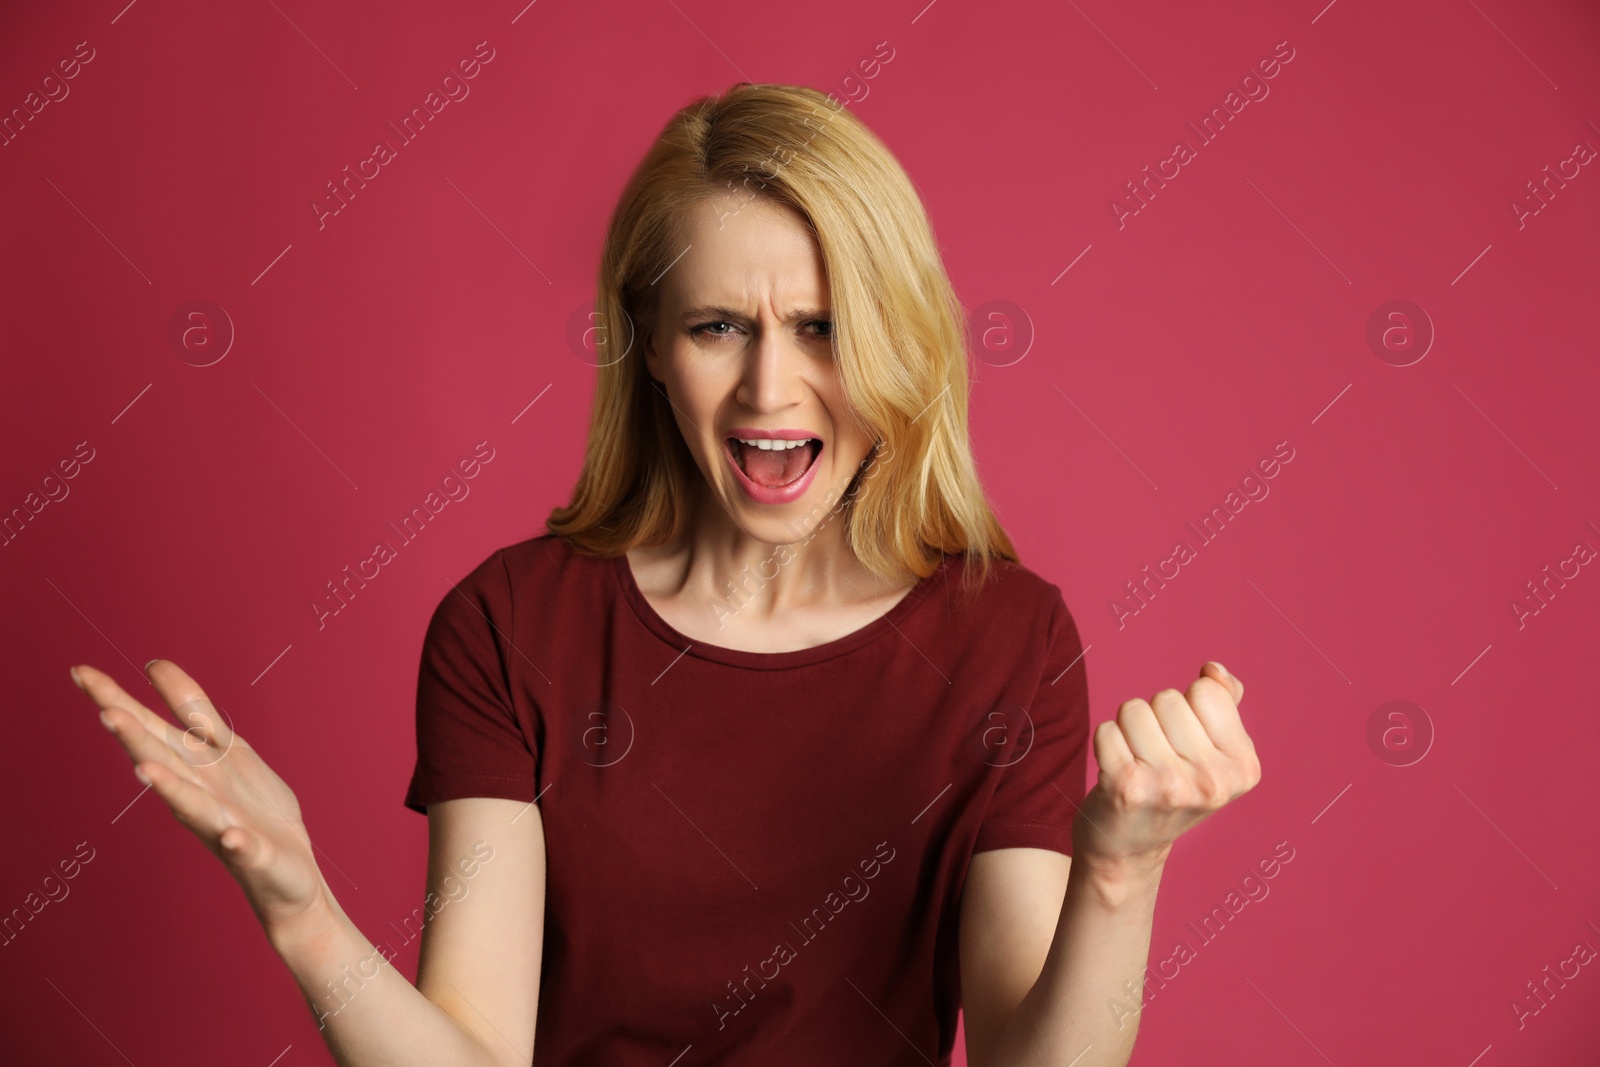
(773, 468)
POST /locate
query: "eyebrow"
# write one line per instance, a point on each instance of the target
(710, 311)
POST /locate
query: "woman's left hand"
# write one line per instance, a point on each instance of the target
(1165, 764)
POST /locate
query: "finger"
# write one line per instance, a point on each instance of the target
(1111, 750)
(105, 692)
(1216, 670)
(192, 805)
(203, 721)
(1182, 727)
(1146, 740)
(1216, 710)
(141, 745)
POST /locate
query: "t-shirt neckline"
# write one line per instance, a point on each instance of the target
(735, 657)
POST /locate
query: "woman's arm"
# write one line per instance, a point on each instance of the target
(1084, 1008)
(478, 975)
(368, 1013)
(1164, 766)
(477, 988)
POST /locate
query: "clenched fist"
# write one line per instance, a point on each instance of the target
(1165, 764)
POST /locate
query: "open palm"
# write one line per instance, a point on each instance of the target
(216, 785)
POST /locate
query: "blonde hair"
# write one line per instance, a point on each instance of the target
(898, 329)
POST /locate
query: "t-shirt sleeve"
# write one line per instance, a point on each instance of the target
(470, 742)
(1038, 794)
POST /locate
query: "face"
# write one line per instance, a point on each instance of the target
(743, 348)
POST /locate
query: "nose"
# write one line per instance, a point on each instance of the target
(770, 380)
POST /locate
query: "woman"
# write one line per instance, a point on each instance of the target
(770, 723)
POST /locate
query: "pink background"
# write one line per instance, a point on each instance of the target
(1230, 313)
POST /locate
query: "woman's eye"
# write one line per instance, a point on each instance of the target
(710, 328)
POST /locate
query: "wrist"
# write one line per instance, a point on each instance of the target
(313, 929)
(1116, 876)
(1117, 884)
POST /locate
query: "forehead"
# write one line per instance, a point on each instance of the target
(741, 252)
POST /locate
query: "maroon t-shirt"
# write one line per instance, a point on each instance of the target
(753, 857)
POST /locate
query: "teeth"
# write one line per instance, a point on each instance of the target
(767, 444)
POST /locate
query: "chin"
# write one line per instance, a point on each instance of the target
(781, 524)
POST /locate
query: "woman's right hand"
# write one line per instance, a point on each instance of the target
(218, 787)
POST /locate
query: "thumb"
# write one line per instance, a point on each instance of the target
(1220, 673)
(243, 848)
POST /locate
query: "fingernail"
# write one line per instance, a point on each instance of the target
(137, 773)
(1220, 668)
(105, 720)
(147, 665)
(75, 679)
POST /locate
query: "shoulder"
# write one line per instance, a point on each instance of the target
(1016, 617)
(1011, 590)
(543, 570)
(546, 550)
(544, 553)
(532, 578)
(492, 579)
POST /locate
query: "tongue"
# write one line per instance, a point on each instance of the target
(771, 468)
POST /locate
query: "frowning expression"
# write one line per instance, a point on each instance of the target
(743, 346)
